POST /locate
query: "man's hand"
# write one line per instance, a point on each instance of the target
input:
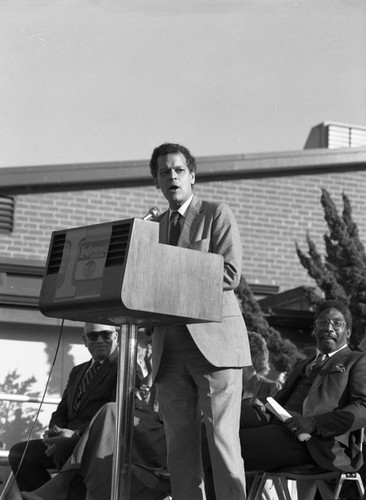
(56, 431)
(300, 425)
(258, 405)
(57, 434)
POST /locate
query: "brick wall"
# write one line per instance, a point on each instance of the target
(272, 214)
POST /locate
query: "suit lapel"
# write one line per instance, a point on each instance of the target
(328, 367)
(284, 394)
(191, 220)
(97, 379)
(79, 377)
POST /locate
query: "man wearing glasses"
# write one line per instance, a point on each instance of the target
(326, 397)
(90, 386)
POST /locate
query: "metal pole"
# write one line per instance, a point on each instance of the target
(121, 472)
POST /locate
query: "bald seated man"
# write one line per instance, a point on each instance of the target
(89, 387)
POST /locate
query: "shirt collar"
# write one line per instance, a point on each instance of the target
(330, 354)
(183, 209)
(94, 361)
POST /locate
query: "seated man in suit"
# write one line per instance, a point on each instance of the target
(326, 397)
(92, 458)
(90, 386)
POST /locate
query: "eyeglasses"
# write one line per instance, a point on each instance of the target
(337, 324)
(105, 334)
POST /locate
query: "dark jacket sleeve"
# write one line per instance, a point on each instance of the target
(350, 412)
(60, 416)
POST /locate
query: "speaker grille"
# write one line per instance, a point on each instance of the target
(54, 262)
(118, 244)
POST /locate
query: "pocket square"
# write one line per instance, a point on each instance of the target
(338, 368)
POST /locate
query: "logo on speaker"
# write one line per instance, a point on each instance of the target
(93, 250)
(89, 269)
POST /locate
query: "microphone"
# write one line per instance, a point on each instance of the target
(152, 213)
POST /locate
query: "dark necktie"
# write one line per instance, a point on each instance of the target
(316, 364)
(88, 377)
(174, 232)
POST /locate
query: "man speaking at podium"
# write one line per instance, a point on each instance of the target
(198, 367)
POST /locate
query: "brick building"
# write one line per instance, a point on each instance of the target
(275, 198)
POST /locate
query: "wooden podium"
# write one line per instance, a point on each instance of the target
(119, 274)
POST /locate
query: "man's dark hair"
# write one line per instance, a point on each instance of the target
(170, 148)
(335, 304)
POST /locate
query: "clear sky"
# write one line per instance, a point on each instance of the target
(108, 80)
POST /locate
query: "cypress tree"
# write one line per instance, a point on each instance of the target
(341, 272)
(283, 353)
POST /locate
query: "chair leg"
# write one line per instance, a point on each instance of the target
(326, 492)
(338, 487)
(257, 494)
(360, 485)
(281, 488)
(269, 491)
(254, 485)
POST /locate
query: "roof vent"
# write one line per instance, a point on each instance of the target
(334, 135)
(6, 214)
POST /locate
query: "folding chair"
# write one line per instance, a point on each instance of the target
(280, 479)
(259, 489)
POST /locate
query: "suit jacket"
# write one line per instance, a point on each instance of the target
(211, 227)
(337, 403)
(101, 390)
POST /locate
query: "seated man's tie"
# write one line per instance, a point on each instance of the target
(89, 375)
(317, 363)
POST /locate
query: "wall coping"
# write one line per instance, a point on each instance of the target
(122, 174)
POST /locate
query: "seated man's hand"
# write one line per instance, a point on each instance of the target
(57, 434)
(255, 403)
(53, 431)
(258, 405)
(300, 425)
(50, 449)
